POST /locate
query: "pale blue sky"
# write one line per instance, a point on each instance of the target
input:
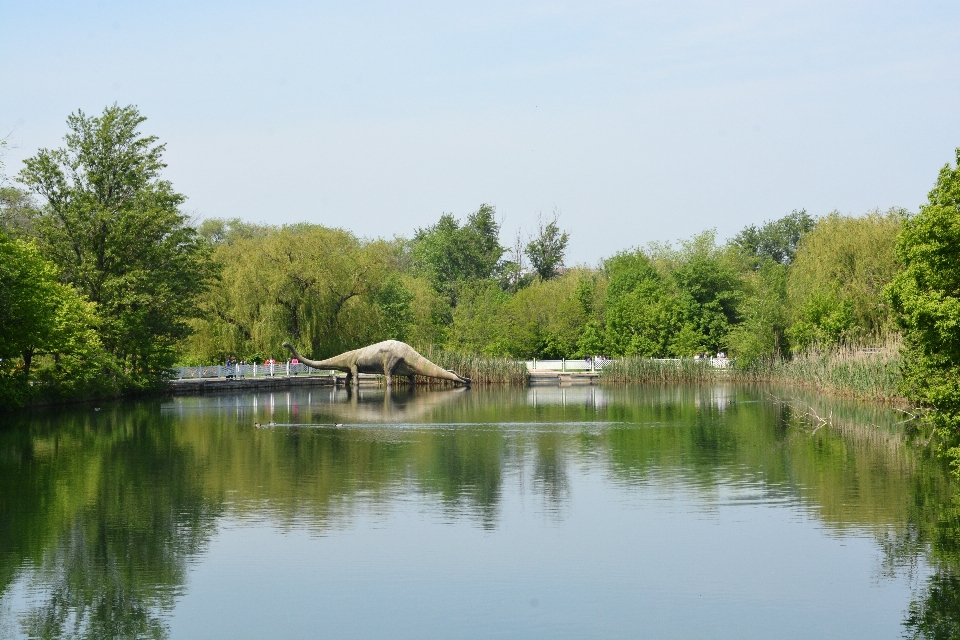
(638, 121)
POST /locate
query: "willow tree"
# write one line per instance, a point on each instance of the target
(114, 228)
(322, 288)
(835, 284)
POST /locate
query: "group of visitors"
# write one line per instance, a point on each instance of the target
(596, 362)
(706, 356)
(234, 366)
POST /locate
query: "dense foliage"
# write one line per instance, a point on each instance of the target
(789, 285)
(107, 268)
(926, 297)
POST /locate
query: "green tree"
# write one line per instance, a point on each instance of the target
(547, 248)
(115, 230)
(546, 319)
(479, 319)
(449, 253)
(41, 316)
(835, 284)
(708, 294)
(642, 313)
(543, 320)
(17, 212)
(322, 288)
(767, 252)
(775, 240)
(761, 332)
(925, 296)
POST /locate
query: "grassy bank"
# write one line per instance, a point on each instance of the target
(869, 373)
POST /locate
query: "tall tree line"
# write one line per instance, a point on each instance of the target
(105, 283)
(790, 284)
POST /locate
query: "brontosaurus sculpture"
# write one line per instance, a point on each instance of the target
(390, 357)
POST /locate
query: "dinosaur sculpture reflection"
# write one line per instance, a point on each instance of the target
(390, 358)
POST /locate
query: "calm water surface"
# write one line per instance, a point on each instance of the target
(583, 512)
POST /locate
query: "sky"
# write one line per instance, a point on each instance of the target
(635, 121)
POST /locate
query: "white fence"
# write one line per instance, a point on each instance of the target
(246, 371)
(238, 371)
(599, 363)
(581, 364)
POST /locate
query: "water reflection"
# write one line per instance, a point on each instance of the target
(101, 514)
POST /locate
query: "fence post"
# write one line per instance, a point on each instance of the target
(563, 364)
(288, 368)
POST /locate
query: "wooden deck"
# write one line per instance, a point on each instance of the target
(551, 377)
(194, 386)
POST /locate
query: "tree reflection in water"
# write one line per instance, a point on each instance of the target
(101, 513)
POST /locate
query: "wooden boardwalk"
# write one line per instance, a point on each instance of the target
(199, 386)
(551, 377)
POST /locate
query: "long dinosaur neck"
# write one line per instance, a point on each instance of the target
(337, 362)
(430, 369)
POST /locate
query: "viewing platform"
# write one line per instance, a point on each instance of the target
(232, 383)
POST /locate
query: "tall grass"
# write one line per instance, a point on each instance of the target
(846, 370)
(638, 369)
(850, 370)
(480, 369)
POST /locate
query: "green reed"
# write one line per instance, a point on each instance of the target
(638, 369)
(863, 372)
(850, 370)
(480, 369)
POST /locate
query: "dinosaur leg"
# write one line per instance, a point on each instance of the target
(355, 375)
(389, 364)
(412, 380)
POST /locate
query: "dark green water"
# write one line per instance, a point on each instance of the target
(676, 512)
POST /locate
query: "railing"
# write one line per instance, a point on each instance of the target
(599, 363)
(237, 371)
(580, 364)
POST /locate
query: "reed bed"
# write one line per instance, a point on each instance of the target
(480, 369)
(639, 369)
(849, 370)
(855, 371)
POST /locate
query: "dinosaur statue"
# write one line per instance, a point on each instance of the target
(390, 357)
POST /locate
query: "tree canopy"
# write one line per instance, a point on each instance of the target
(926, 298)
(546, 249)
(449, 253)
(115, 230)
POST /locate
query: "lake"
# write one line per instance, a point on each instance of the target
(543, 512)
